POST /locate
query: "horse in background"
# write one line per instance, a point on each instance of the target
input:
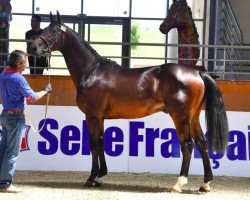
(180, 17)
(5, 18)
(106, 90)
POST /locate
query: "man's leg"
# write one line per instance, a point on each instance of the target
(2, 143)
(15, 127)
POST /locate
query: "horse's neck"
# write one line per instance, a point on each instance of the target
(78, 56)
(187, 35)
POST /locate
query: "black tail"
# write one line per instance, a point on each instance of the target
(216, 117)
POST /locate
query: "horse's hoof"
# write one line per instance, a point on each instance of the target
(176, 190)
(202, 189)
(96, 183)
(205, 187)
(89, 184)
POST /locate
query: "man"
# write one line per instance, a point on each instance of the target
(14, 89)
(37, 65)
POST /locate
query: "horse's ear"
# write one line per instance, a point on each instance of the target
(51, 18)
(58, 17)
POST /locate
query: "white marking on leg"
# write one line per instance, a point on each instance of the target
(98, 180)
(206, 186)
(182, 180)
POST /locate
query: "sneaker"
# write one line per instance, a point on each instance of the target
(10, 189)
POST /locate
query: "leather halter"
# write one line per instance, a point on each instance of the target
(50, 43)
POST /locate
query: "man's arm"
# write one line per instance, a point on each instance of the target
(47, 89)
(40, 95)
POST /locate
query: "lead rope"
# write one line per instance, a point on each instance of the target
(47, 101)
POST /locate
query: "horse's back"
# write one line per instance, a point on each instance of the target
(182, 73)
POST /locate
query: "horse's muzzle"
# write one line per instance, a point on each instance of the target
(163, 29)
(33, 50)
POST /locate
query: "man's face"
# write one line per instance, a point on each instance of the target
(35, 23)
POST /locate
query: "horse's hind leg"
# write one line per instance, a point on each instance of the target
(201, 145)
(183, 131)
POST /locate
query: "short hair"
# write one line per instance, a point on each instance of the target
(37, 17)
(15, 57)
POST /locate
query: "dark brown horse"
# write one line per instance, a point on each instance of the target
(5, 18)
(106, 90)
(180, 17)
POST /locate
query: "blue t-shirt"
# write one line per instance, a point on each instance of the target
(13, 89)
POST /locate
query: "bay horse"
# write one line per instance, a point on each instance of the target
(106, 90)
(5, 18)
(180, 17)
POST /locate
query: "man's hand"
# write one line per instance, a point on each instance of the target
(48, 88)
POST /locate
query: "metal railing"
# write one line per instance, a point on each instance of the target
(230, 34)
(221, 62)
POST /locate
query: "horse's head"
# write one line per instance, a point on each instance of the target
(177, 17)
(51, 39)
(5, 14)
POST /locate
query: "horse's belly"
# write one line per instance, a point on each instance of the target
(133, 110)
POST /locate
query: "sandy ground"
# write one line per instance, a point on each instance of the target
(122, 186)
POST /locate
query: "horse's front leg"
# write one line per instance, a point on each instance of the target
(95, 127)
(103, 166)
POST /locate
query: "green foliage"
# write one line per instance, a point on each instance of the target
(135, 35)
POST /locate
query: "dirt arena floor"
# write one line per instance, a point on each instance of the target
(122, 186)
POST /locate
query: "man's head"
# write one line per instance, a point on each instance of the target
(35, 21)
(18, 60)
